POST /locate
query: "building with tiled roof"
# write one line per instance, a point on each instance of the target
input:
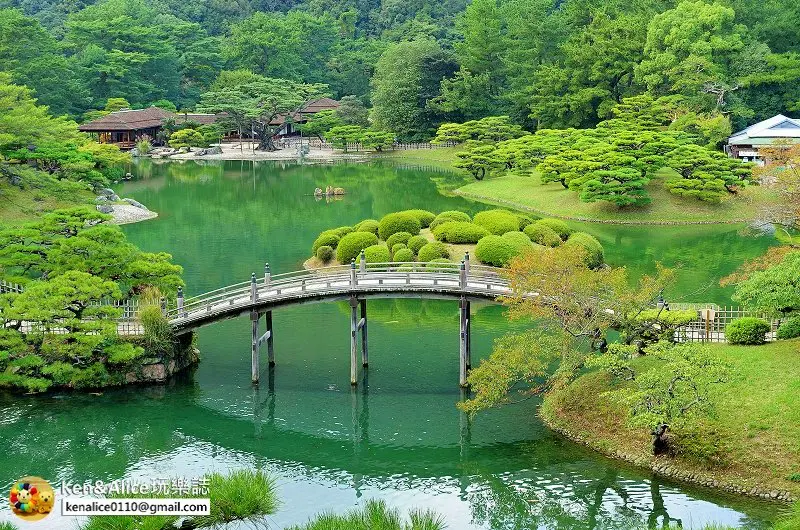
(301, 115)
(745, 144)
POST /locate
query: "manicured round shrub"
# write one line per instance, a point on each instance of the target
(432, 251)
(327, 238)
(497, 222)
(416, 243)
(352, 244)
(459, 232)
(524, 221)
(520, 241)
(558, 226)
(341, 231)
(438, 264)
(404, 254)
(789, 329)
(377, 254)
(398, 246)
(495, 250)
(423, 216)
(543, 235)
(325, 253)
(367, 225)
(449, 215)
(398, 222)
(747, 330)
(594, 250)
(399, 237)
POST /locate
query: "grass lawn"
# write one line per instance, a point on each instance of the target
(19, 206)
(756, 420)
(527, 193)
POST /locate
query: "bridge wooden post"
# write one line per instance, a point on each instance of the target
(253, 288)
(267, 275)
(353, 273)
(464, 353)
(255, 369)
(469, 335)
(270, 348)
(362, 262)
(353, 340)
(462, 273)
(163, 302)
(363, 323)
(466, 263)
(180, 302)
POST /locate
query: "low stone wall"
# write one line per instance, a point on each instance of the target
(670, 468)
(160, 370)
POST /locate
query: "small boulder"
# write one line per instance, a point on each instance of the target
(200, 152)
(135, 204)
(108, 192)
(317, 192)
(338, 191)
(183, 150)
(215, 150)
(101, 198)
(104, 208)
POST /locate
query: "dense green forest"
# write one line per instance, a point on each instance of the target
(418, 63)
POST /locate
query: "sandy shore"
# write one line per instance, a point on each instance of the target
(236, 151)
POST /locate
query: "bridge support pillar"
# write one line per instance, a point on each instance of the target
(353, 340)
(464, 359)
(363, 323)
(270, 348)
(255, 369)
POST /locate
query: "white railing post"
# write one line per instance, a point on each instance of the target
(362, 260)
(353, 273)
(253, 288)
(180, 302)
(267, 275)
(463, 274)
(466, 263)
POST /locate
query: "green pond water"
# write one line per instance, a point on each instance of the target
(398, 436)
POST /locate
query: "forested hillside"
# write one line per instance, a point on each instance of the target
(418, 63)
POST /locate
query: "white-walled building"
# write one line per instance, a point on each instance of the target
(746, 144)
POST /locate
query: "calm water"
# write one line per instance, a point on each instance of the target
(398, 436)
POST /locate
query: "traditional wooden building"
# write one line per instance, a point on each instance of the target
(288, 122)
(745, 144)
(125, 127)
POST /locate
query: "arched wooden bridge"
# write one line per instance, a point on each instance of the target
(355, 283)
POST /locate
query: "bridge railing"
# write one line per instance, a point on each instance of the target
(337, 278)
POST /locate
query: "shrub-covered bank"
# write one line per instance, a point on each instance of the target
(749, 446)
(492, 237)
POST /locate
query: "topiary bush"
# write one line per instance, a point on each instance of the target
(398, 222)
(325, 253)
(558, 226)
(440, 263)
(423, 216)
(790, 328)
(524, 221)
(450, 215)
(367, 225)
(377, 254)
(747, 330)
(352, 244)
(520, 241)
(404, 254)
(594, 250)
(416, 243)
(459, 232)
(399, 237)
(341, 231)
(543, 235)
(327, 238)
(399, 246)
(497, 222)
(495, 250)
(432, 251)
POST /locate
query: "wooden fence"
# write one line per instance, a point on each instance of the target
(712, 320)
(316, 143)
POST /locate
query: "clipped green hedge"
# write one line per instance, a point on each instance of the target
(747, 330)
(398, 222)
(497, 222)
(448, 216)
(398, 246)
(325, 253)
(377, 254)
(437, 263)
(367, 225)
(416, 243)
(352, 244)
(594, 250)
(404, 254)
(341, 231)
(432, 251)
(459, 232)
(558, 226)
(790, 328)
(524, 221)
(423, 216)
(399, 237)
(495, 250)
(520, 241)
(327, 238)
(543, 235)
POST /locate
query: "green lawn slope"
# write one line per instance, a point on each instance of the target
(755, 423)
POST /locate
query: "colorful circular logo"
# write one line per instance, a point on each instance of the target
(32, 498)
